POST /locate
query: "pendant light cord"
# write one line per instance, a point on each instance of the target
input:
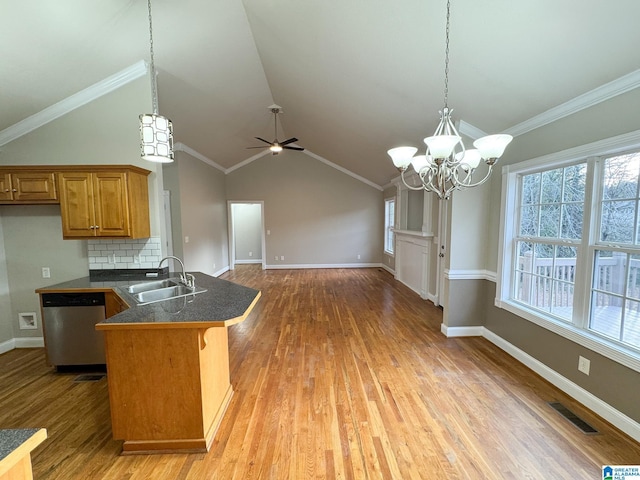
(446, 58)
(154, 86)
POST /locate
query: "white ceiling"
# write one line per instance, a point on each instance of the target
(354, 77)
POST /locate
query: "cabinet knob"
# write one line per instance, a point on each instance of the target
(7, 190)
(14, 190)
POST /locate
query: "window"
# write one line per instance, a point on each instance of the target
(570, 260)
(389, 221)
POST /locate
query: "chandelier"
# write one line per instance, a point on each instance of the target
(447, 166)
(156, 131)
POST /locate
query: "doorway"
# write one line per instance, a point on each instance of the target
(246, 233)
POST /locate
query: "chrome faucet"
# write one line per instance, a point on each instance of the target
(186, 278)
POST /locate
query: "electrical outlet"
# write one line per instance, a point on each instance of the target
(358, 256)
(281, 257)
(46, 272)
(186, 239)
(584, 365)
(251, 254)
(136, 258)
(276, 258)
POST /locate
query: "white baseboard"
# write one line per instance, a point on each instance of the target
(248, 262)
(24, 342)
(606, 411)
(388, 269)
(461, 331)
(221, 271)
(8, 345)
(29, 342)
(296, 266)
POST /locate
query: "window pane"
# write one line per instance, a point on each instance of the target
(617, 222)
(621, 177)
(551, 186)
(572, 221)
(609, 271)
(631, 330)
(549, 221)
(606, 315)
(574, 183)
(525, 257)
(633, 282)
(531, 189)
(562, 304)
(529, 221)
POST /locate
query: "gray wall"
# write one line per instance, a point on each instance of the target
(316, 214)
(615, 384)
(247, 231)
(104, 131)
(199, 211)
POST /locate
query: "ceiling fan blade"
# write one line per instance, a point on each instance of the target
(256, 147)
(263, 140)
(287, 142)
(294, 148)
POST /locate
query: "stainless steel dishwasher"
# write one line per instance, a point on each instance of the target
(70, 336)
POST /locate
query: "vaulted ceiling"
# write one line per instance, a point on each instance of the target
(354, 77)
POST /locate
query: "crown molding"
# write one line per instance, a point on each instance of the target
(470, 131)
(343, 170)
(76, 100)
(600, 94)
(181, 147)
(246, 162)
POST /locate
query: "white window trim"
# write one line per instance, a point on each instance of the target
(395, 212)
(609, 146)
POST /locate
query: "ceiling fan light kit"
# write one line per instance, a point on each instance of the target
(276, 146)
(447, 166)
(156, 131)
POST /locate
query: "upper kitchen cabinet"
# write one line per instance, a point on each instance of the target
(29, 186)
(104, 201)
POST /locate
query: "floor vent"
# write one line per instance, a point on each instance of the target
(91, 377)
(573, 418)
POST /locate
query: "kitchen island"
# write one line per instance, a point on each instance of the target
(168, 364)
(15, 452)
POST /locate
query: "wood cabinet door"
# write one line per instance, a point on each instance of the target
(30, 186)
(5, 186)
(76, 204)
(111, 204)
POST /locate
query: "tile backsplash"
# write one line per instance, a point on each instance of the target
(124, 254)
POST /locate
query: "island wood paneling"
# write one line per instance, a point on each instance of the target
(337, 374)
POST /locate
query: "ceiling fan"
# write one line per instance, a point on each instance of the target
(276, 147)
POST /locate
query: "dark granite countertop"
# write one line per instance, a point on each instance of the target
(11, 439)
(224, 302)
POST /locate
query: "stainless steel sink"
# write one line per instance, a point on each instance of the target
(167, 293)
(154, 285)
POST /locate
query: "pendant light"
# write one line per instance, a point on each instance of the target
(156, 131)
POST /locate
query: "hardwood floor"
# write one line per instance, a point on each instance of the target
(337, 374)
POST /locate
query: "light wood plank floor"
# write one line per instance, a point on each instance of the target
(337, 374)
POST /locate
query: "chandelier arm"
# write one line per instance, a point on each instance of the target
(480, 182)
(419, 187)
